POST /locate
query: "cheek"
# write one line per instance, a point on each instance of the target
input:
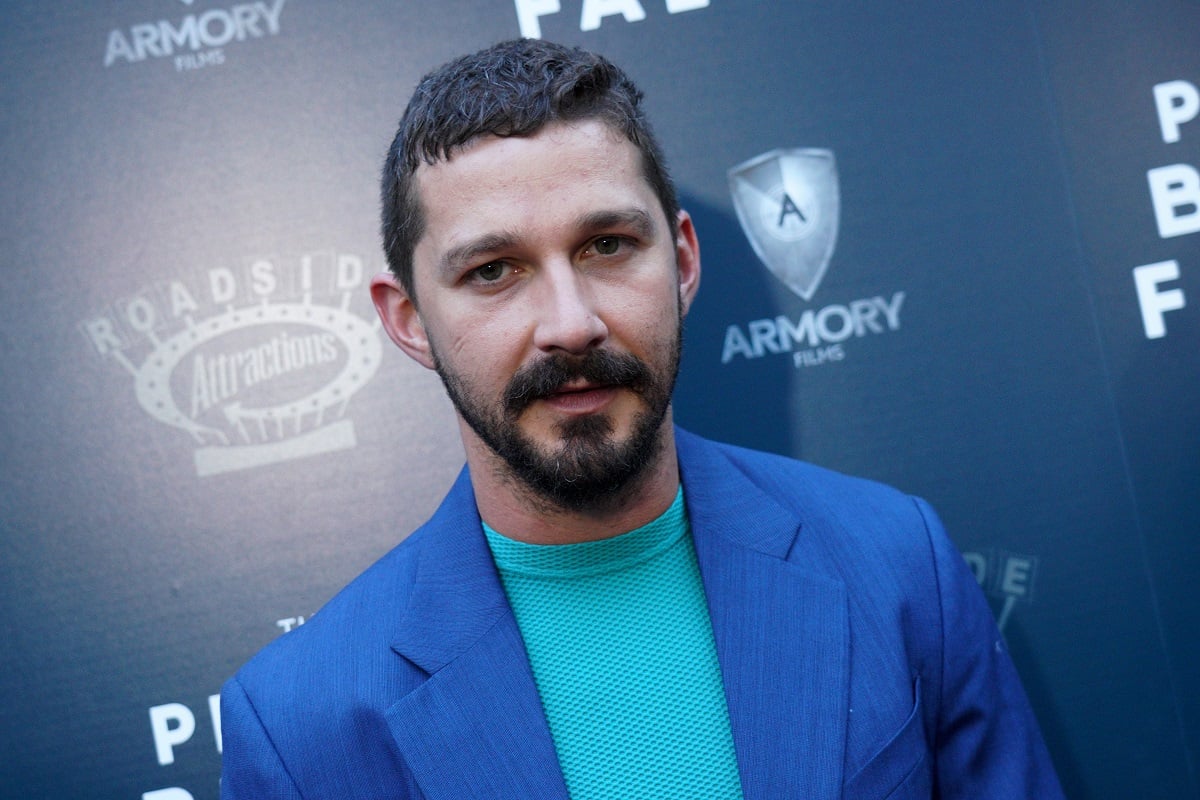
(651, 316)
(484, 351)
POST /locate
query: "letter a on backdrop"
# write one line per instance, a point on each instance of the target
(787, 202)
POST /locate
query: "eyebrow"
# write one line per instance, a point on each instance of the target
(472, 250)
(635, 219)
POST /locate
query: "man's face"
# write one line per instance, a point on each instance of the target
(551, 296)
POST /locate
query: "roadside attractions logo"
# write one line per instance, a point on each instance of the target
(788, 203)
(195, 40)
(255, 363)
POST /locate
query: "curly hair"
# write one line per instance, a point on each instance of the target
(513, 88)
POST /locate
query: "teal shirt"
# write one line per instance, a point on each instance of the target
(621, 645)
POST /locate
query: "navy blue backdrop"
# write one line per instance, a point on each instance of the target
(207, 435)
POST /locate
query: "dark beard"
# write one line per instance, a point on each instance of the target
(588, 471)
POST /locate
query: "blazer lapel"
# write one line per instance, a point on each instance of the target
(781, 632)
(475, 728)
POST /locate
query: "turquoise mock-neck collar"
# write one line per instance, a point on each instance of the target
(590, 558)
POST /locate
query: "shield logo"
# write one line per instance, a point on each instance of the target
(787, 202)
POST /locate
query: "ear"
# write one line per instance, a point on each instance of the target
(400, 318)
(687, 258)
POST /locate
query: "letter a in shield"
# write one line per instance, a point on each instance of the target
(787, 202)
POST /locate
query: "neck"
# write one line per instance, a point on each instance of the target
(517, 511)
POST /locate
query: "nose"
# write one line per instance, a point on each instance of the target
(566, 313)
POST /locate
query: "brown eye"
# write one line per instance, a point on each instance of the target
(490, 272)
(607, 245)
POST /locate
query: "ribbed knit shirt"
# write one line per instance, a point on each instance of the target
(619, 638)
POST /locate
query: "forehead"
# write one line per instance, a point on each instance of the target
(557, 137)
(530, 183)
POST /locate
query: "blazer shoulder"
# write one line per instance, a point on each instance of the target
(355, 629)
(322, 688)
(344, 638)
(854, 528)
(807, 488)
(327, 686)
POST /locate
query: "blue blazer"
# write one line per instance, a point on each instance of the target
(859, 658)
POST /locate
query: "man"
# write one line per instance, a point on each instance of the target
(605, 605)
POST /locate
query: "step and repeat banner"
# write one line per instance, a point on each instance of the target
(950, 246)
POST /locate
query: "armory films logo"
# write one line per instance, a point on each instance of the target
(194, 39)
(788, 203)
(256, 364)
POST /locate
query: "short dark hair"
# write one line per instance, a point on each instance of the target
(510, 89)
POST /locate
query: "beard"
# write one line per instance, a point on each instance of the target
(587, 469)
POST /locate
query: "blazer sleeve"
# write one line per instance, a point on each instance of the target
(250, 766)
(986, 738)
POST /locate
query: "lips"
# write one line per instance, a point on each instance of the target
(584, 398)
(579, 387)
(576, 384)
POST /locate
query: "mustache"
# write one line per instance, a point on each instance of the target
(548, 375)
